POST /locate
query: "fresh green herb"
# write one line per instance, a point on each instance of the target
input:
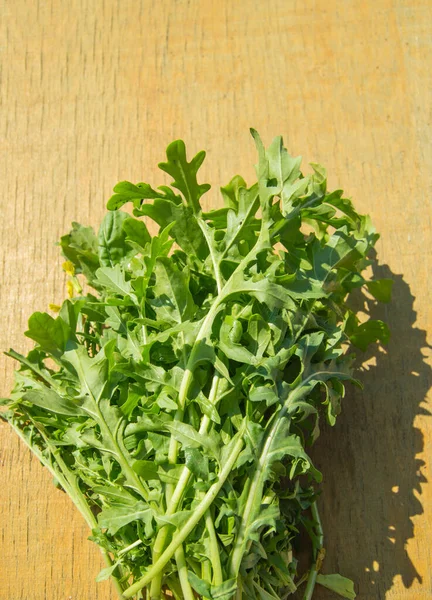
(176, 402)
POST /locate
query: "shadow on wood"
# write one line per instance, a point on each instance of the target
(369, 460)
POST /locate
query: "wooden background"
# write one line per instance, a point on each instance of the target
(93, 91)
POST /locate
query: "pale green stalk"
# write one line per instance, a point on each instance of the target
(174, 497)
(254, 493)
(206, 572)
(239, 590)
(198, 513)
(214, 550)
(128, 548)
(183, 574)
(318, 551)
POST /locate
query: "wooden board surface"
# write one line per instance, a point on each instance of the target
(93, 91)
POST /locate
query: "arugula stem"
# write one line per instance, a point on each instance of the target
(239, 590)
(174, 495)
(204, 330)
(183, 574)
(134, 545)
(173, 447)
(199, 511)
(223, 294)
(318, 553)
(206, 572)
(214, 550)
(254, 492)
(255, 489)
(187, 380)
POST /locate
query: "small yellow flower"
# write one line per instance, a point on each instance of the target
(69, 268)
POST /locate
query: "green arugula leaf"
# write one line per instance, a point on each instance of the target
(184, 173)
(128, 192)
(190, 438)
(136, 231)
(113, 280)
(80, 247)
(117, 517)
(50, 400)
(106, 573)
(185, 229)
(201, 587)
(50, 334)
(225, 590)
(112, 239)
(173, 301)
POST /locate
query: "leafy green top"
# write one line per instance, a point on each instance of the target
(187, 387)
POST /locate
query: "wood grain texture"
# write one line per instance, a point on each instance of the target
(93, 91)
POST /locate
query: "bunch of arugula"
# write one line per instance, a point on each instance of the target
(179, 396)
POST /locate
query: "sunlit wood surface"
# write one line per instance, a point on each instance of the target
(93, 91)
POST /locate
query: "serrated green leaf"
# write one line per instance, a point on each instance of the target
(51, 334)
(92, 372)
(189, 437)
(184, 174)
(80, 247)
(263, 594)
(117, 517)
(129, 192)
(53, 402)
(286, 444)
(113, 280)
(197, 463)
(146, 469)
(136, 231)
(231, 192)
(185, 229)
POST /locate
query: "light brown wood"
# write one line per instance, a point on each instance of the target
(92, 93)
